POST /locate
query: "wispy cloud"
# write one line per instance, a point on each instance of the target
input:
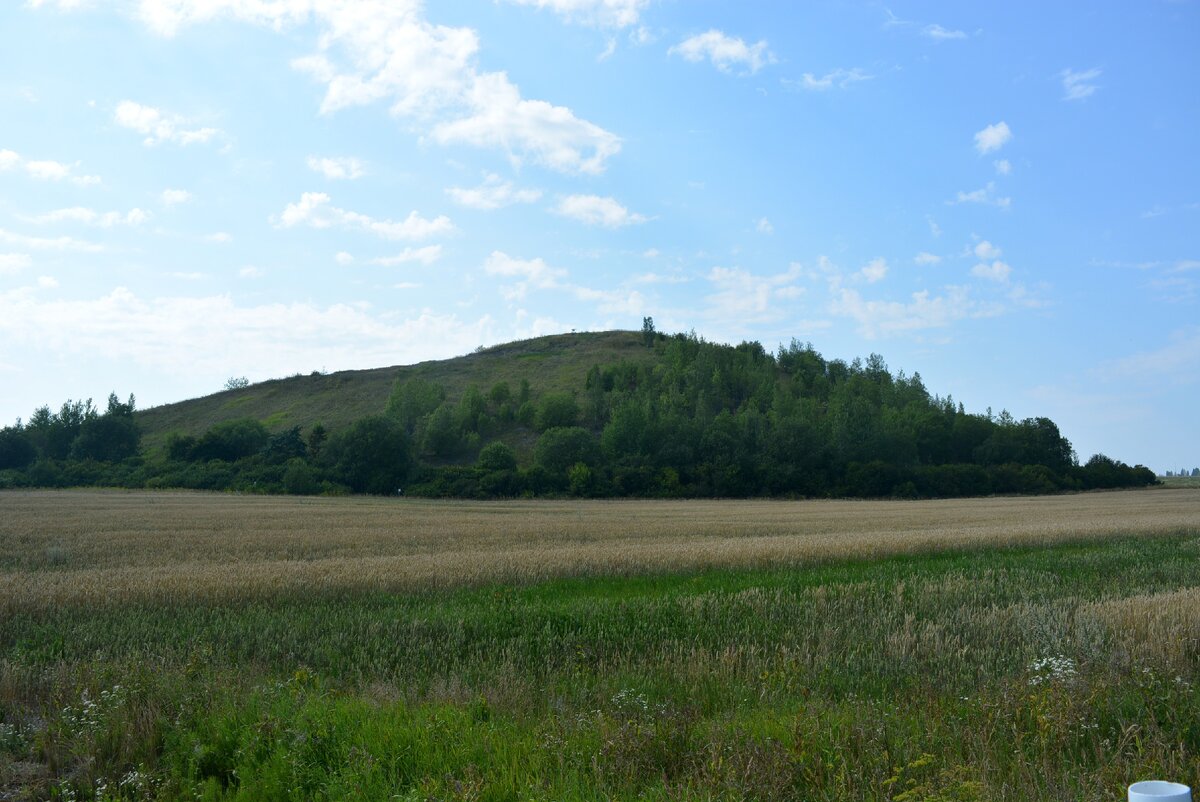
(992, 138)
(12, 263)
(158, 126)
(426, 256)
(45, 169)
(594, 210)
(599, 13)
(995, 271)
(940, 34)
(874, 271)
(49, 243)
(1079, 85)
(985, 195)
(924, 310)
(315, 211)
(174, 197)
(493, 193)
(385, 51)
(80, 214)
(337, 168)
(725, 52)
(839, 78)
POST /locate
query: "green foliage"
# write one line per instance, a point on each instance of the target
(300, 479)
(16, 448)
(497, 456)
(413, 399)
(231, 441)
(683, 418)
(956, 677)
(556, 410)
(285, 446)
(372, 456)
(560, 448)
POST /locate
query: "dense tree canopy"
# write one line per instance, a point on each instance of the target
(698, 420)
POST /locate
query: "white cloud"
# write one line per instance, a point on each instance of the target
(996, 271)
(659, 278)
(174, 197)
(47, 282)
(841, 78)
(938, 33)
(426, 256)
(549, 135)
(1079, 85)
(220, 237)
(338, 167)
(873, 271)
(597, 211)
(985, 195)
(376, 51)
(250, 271)
(601, 13)
(530, 273)
(651, 253)
(934, 229)
(189, 336)
(493, 193)
(45, 169)
(724, 51)
(926, 258)
(535, 271)
(993, 137)
(986, 250)
(314, 210)
(11, 263)
(764, 227)
(1177, 362)
(924, 311)
(343, 258)
(158, 127)
(745, 297)
(1003, 166)
(536, 274)
(80, 214)
(49, 244)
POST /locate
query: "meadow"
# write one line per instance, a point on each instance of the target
(197, 646)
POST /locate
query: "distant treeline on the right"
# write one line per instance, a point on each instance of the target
(698, 420)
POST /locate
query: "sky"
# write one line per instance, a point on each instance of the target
(1004, 198)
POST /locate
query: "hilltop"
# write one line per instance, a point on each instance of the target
(614, 413)
(554, 363)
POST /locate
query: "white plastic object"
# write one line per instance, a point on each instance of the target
(1159, 791)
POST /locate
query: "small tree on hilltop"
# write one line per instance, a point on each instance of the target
(648, 331)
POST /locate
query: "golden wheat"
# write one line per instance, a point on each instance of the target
(90, 547)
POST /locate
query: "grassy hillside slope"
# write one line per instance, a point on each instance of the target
(556, 362)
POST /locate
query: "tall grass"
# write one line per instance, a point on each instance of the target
(1011, 666)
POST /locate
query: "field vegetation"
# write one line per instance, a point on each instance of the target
(191, 646)
(591, 416)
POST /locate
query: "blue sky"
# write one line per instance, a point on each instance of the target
(1004, 198)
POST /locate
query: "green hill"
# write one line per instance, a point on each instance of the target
(598, 414)
(556, 362)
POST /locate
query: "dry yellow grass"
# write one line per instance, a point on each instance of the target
(93, 547)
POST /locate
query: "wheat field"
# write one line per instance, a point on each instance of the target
(87, 547)
(169, 646)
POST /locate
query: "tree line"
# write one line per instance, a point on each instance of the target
(701, 420)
